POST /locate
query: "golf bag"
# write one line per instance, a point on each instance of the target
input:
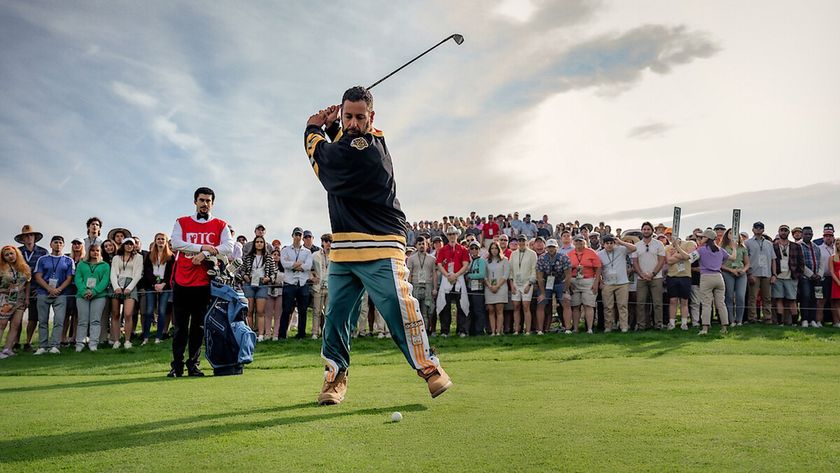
(228, 341)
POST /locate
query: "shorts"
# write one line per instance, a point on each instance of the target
(522, 296)
(678, 287)
(130, 295)
(255, 292)
(582, 293)
(784, 289)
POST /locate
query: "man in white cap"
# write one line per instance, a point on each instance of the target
(453, 262)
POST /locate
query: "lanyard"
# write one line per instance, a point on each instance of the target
(521, 255)
(28, 255)
(579, 258)
(297, 253)
(612, 257)
(551, 266)
(54, 265)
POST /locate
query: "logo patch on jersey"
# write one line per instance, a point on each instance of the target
(359, 143)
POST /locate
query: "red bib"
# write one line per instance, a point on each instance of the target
(200, 233)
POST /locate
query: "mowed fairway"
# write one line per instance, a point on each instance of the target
(759, 399)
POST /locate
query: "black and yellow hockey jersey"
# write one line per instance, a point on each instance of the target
(358, 175)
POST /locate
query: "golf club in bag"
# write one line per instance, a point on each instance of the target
(228, 341)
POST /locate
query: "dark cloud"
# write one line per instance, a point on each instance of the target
(620, 59)
(651, 130)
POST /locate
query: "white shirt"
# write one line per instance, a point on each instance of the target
(826, 252)
(648, 256)
(290, 255)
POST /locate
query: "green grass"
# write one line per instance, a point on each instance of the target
(759, 399)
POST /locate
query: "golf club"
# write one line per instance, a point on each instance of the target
(458, 40)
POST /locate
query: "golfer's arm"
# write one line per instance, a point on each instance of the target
(334, 131)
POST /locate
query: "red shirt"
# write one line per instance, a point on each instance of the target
(202, 233)
(460, 256)
(508, 252)
(490, 230)
(589, 259)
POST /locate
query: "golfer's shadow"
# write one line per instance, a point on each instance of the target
(152, 433)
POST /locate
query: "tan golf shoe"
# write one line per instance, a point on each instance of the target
(438, 381)
(333, 392)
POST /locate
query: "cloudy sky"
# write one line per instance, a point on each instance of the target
(596, 110)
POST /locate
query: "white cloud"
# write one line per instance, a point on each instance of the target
(133, 96)
(164, 127)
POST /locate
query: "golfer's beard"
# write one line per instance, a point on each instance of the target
(354, 132)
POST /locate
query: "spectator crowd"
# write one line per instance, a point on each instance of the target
(497, 275)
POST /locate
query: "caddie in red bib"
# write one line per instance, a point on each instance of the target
(194, 238)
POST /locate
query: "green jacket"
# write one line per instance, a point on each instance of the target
(478, 269)
(100, 271)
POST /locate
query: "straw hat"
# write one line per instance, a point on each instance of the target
(28, 230)
(118, 229)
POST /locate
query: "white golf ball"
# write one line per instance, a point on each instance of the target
(396, 417)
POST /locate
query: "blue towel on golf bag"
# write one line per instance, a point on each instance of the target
(228, 340)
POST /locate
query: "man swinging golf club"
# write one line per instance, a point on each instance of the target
(368, 251)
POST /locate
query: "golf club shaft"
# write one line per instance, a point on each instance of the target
(409, 62)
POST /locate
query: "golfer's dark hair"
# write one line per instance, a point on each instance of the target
(647, 224)
(206, 191)
(358, 94)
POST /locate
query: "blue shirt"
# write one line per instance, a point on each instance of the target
(58, 267)
(33, 257)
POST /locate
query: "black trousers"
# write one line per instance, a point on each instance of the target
(478, 313)
(189, 308)
(294, 296)
(445, 315)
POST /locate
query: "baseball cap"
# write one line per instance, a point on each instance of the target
(551, 242)
(436, 238)
(539, 238)
(452, 230)
(828, 229)
(796, 229)
(521, 238)
(579, 238)
(259, 226)
(784, 227)
(758, 225)
(77, 240)
(720, 226)
(710, 234)
(474, 244)
(307, 233)
(273, 242)
(60, 238)
(297, 230)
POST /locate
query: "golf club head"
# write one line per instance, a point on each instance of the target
(459, 39)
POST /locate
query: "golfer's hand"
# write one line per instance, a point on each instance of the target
(318, 119)
(118, 291)
(197, 259)
(541, 298)
(332, 114)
